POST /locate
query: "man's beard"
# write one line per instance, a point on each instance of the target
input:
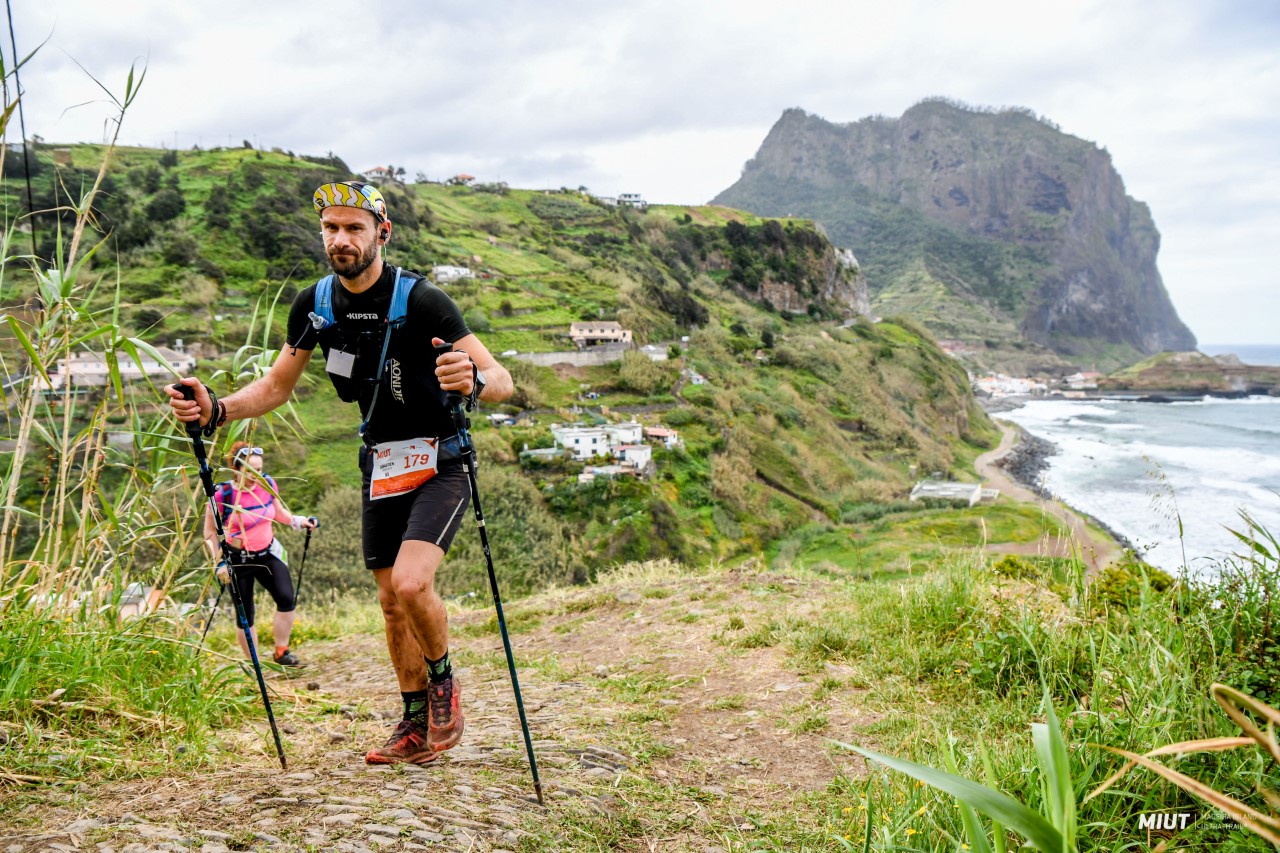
(351, 267)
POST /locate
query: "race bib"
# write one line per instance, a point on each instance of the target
(401, 466)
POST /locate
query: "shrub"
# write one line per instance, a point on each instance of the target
(1120, 584)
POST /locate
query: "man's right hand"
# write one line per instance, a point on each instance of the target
(199, 410)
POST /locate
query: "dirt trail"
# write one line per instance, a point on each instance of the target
(1097, 550)
(621, 680)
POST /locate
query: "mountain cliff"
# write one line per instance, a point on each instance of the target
(996, 228)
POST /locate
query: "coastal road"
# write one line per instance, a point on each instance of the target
(1094, 547)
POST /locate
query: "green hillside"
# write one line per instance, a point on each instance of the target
(804, 418)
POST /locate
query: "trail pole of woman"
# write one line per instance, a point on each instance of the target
(206, 477)
(306, 545)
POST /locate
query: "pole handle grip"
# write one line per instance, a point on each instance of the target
(189, 393)
(455, 398)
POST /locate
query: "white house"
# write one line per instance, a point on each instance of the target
(585, 442)
(90, 368)
(377, 173)
(1085, 381)
(944, 490)
(695, 378)
(444, 273)
(633, 200)
(625, 433)
(639, 455)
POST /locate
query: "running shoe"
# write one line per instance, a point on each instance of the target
(288, 658)
(407, 745)
(445, 720)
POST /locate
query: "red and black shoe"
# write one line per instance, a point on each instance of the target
(407, 745)
(445, 719)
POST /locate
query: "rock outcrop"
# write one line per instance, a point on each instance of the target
(1003, 208)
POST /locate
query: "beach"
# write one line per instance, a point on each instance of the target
(1170, 479)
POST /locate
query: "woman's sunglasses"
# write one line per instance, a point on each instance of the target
(246, 452)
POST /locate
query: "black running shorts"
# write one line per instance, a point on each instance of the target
(433, 512)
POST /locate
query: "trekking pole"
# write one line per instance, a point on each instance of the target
(469, 462)
(297, 593)
(208, 623)
(206, 477)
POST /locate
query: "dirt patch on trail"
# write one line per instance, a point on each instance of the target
(665, 686)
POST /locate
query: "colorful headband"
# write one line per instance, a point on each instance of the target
(350, 194)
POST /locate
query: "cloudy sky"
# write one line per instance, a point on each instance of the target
(669, 98)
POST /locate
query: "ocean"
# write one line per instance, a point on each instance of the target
(1249, 353)
(1138, 467)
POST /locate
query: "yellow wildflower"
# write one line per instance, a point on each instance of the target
(910, 832)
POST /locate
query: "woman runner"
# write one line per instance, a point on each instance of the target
(249, 504)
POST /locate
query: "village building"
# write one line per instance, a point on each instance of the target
(588, 442)
(999, 385)
(640, 456)
(667, 437)
(90, 369)
(377, 173)
(590, 333)
(445, 273)
(945, 490)
(1086, 381)
(585, 442)
(633, 200)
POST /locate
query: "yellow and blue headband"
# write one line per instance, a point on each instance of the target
(351, 194)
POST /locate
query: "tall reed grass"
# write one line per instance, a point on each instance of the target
(98, 494)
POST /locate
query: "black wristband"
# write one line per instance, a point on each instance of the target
(211, 427)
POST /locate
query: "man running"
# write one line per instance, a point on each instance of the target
(415, 489)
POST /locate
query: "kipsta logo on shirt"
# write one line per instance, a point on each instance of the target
(359, 316)
(393, 366)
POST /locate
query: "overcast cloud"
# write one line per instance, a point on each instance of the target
(669, 99)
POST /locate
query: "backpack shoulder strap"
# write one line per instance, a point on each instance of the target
(221, 495)
(324, 299)
(400, 297)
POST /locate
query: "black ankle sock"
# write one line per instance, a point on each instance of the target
(415, 703)
(439, 670)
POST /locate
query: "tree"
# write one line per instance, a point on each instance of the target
(217, 208)
(168, 204)
(169, 159)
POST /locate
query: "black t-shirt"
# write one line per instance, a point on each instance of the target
(410, 404)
